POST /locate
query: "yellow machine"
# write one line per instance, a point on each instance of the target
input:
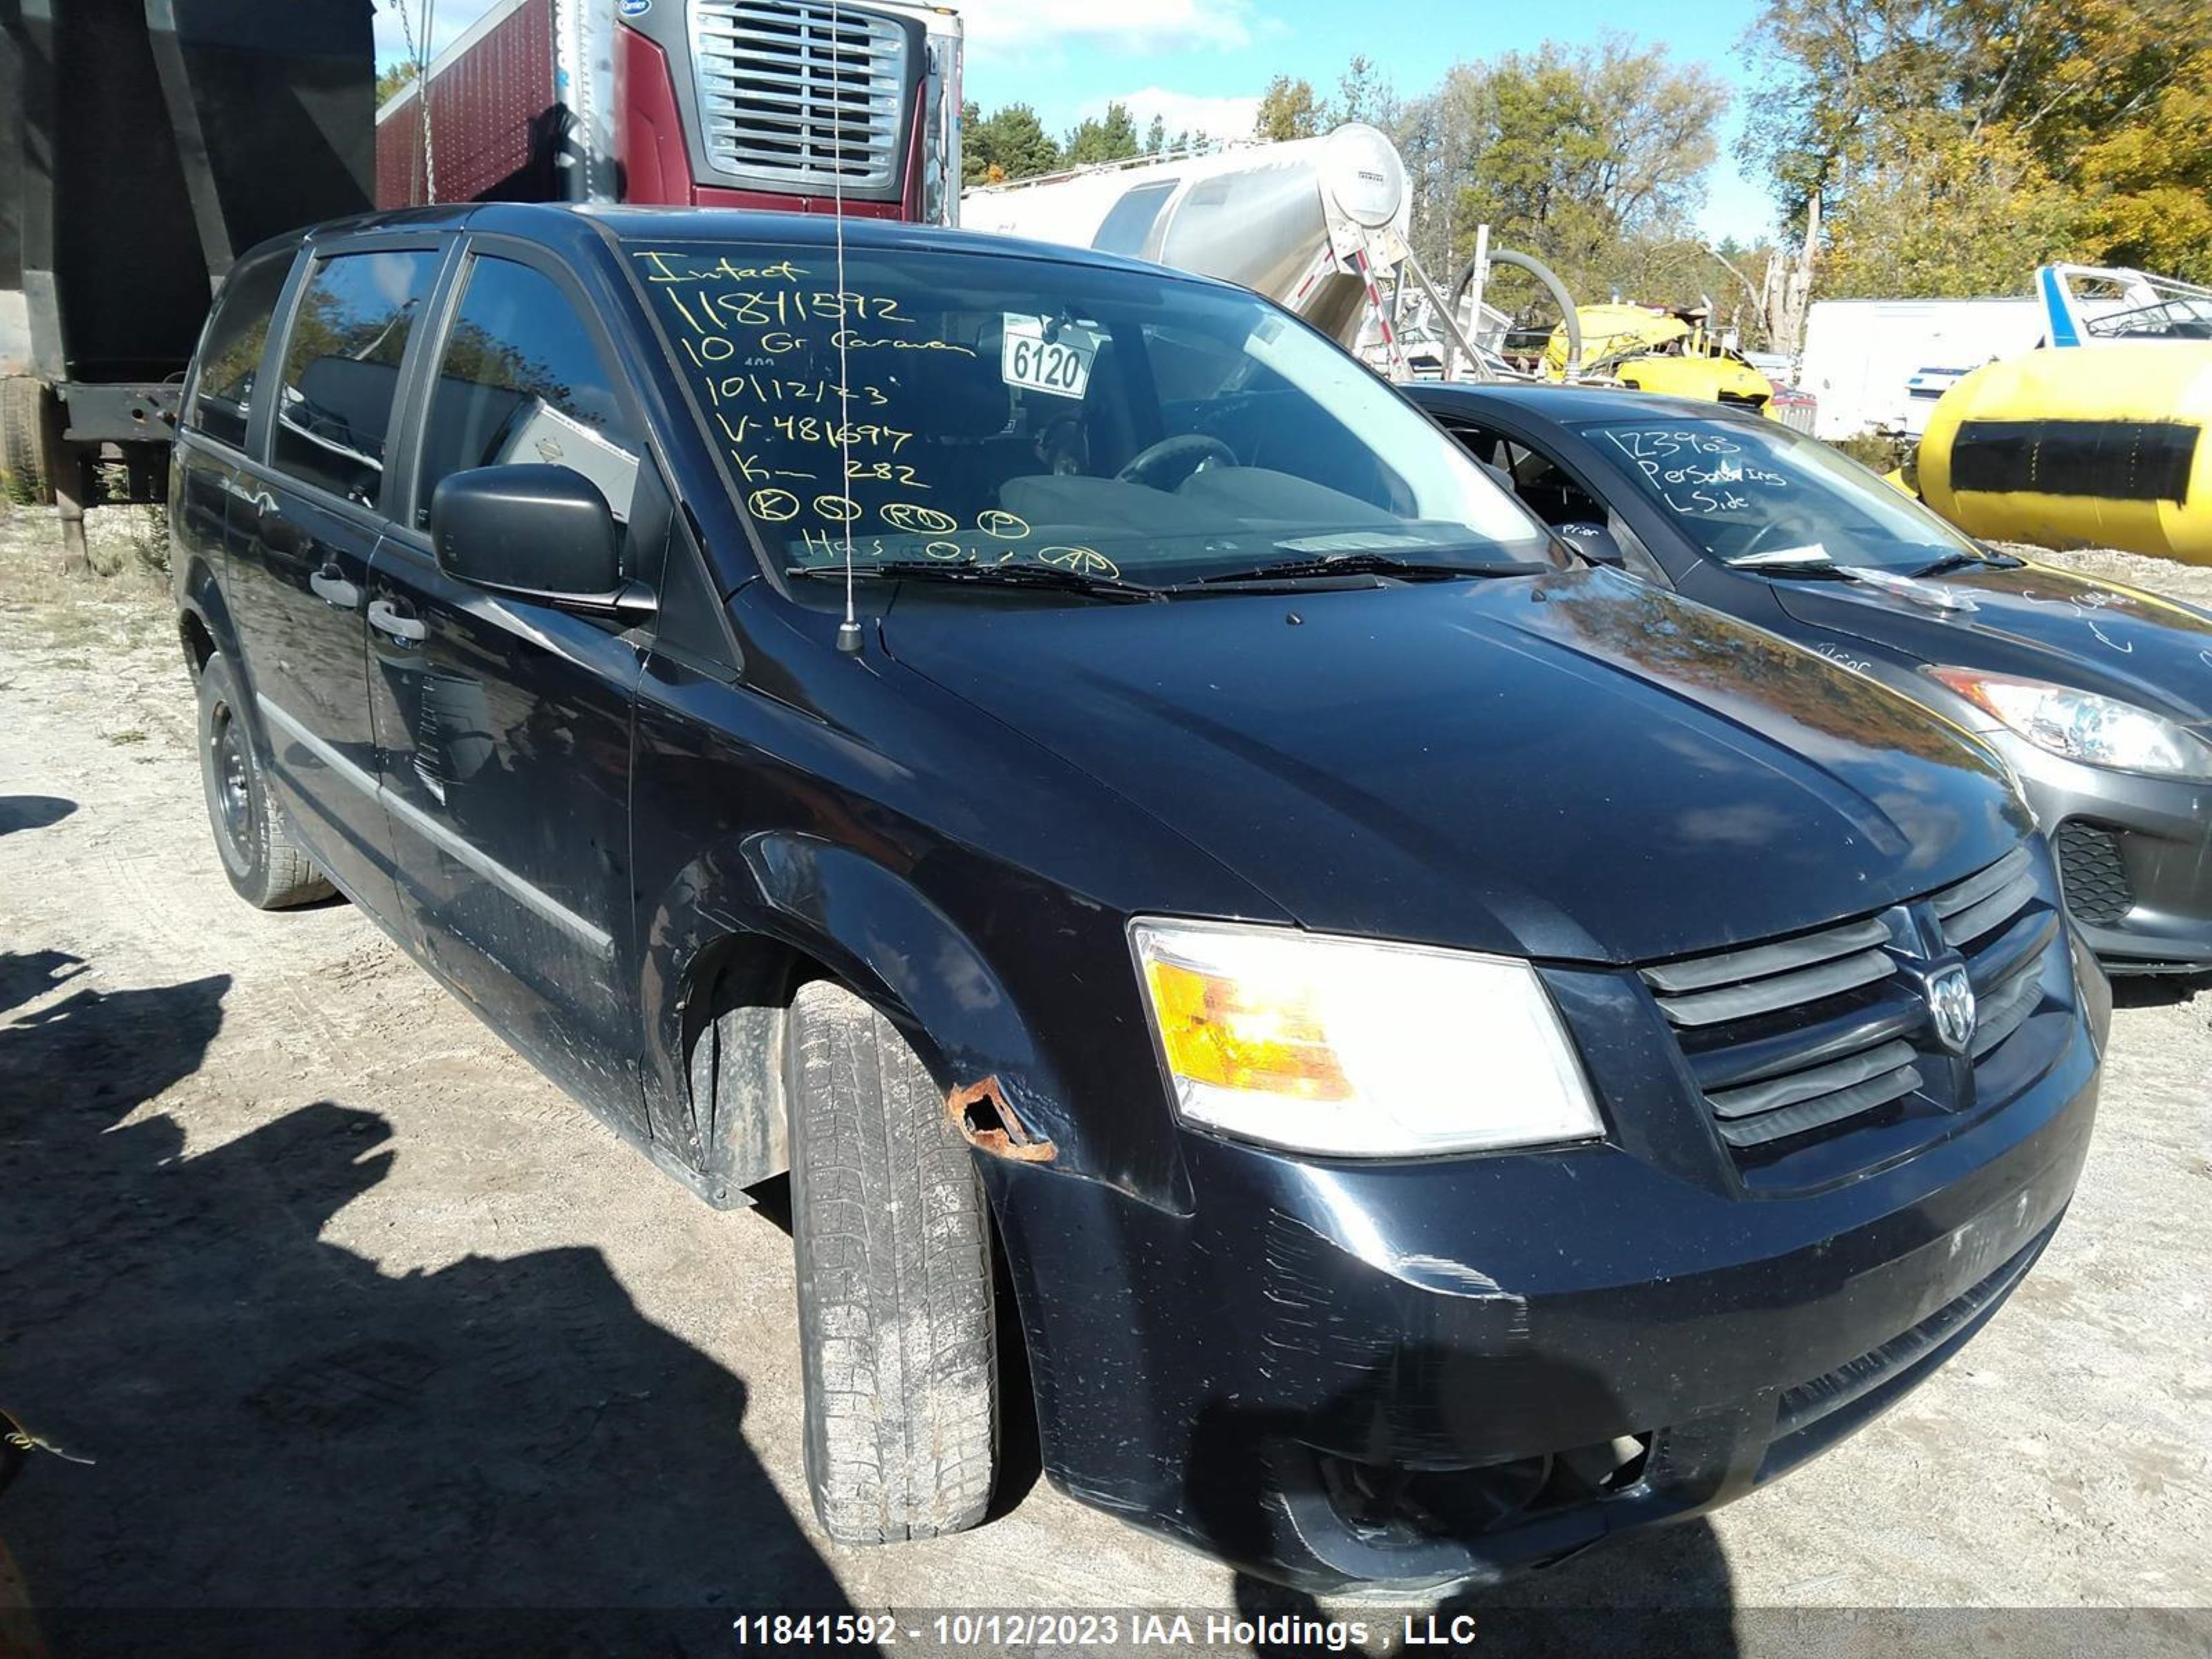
(1654, 351)
(2103, 447)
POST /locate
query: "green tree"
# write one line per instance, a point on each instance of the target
(2149, 182)
(390, 80)
(1109, 137)
(1362, 94)
(2029, 129)
(1155, 135)
(1011, 144)
(1288, 109)
(1935, 208)
(1587, 157)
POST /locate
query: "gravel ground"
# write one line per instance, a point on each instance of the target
(322, 1300)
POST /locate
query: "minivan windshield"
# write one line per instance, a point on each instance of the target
(1134, 426)
(1758, 496)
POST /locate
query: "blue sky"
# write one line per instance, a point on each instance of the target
(1202, 64)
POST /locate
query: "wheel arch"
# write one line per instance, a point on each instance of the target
(203, 625)
(741, 930)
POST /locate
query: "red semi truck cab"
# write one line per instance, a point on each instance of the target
(707, 103)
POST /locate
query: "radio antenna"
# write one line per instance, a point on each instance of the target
(848, 631)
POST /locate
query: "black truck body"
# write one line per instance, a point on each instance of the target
(144, 144)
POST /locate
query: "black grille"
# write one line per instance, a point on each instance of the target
(1826, 1030)
(2089, 867)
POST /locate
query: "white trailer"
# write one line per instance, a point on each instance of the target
(1862, 356)
(1880, 365)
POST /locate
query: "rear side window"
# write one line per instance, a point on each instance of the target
(230, 357)
(342, 369)
(521, 380)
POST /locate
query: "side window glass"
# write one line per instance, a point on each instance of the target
(521, 380)
(1188, 368)
(1486, 445)
(342, 369)
(230, 357)
(1550, 493)
(1130, 220)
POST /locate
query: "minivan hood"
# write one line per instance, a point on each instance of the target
(1576, 766)
(2035, 621)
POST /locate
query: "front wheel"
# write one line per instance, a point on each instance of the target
(893, 1245)
(264, 865)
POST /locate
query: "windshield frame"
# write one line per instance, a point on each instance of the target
(1500, 526)
(1608, 457)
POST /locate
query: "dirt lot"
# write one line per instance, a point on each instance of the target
(323, 1300)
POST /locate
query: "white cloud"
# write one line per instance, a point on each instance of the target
(999, 31)
(1185, 112)
(451, 17)
(1003, 31)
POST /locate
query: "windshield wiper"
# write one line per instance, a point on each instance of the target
(980, 575)
(1950, 561)
(1819, 573)
(1371, 564)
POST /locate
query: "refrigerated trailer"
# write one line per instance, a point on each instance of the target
(143, 145)
(779, 104)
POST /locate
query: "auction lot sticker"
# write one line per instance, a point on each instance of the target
(1061, 365)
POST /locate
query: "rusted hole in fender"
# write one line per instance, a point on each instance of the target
(980, 1112)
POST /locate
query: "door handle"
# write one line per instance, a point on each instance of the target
(330, 586)
(386, 620)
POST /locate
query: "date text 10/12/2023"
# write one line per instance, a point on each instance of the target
(1094, 1631)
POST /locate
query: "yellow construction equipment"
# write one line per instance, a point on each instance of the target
(1651, 350)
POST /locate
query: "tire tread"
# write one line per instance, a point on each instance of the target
(895, 1290)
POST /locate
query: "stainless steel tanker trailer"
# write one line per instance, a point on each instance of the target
(1318, 225)
(1313, 223)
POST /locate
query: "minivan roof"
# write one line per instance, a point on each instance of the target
(558, 223)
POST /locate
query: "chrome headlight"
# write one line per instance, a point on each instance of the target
(2084, 727)
(1352, 1047)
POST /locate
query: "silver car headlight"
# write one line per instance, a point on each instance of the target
(2084, 727)
(1352, 1047)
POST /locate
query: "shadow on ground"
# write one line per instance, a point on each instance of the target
(2158, 990)
(32, 812)
(268, 1421)
(1656, 1592)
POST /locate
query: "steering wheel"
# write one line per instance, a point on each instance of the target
(1165, 464)
(1778, 530)
(1759, 539)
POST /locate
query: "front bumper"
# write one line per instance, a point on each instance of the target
(2135, 856)
(1420, 1374)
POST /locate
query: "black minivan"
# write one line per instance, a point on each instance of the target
(1458, 1052)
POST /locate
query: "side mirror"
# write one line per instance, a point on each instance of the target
(1594, 542)
(544, 533)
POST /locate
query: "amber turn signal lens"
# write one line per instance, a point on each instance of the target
(1234, 1036)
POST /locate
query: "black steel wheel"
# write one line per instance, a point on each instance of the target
(264, 864)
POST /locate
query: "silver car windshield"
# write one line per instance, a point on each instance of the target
(978, 408)
(1756, 494)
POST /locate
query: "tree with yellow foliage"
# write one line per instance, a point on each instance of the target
(1955, 144)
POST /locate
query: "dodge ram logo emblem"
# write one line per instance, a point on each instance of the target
(1951, 999)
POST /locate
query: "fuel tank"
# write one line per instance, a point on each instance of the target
(2077, 448)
